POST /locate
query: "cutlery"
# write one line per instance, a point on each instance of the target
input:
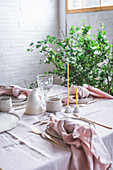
(93, 121)
(42, 122)
(38, 132)
(93, 101)
(19, 107)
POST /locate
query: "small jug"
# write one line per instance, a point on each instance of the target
(33, 104)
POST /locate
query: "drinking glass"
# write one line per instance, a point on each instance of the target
(45, 82)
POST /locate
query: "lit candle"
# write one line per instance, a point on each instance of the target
(76, 97)
(68, 85)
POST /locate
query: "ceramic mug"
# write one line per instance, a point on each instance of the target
(53, 105)
(5, 104)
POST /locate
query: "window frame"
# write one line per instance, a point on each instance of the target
(92, 9)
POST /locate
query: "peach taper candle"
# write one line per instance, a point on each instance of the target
(68, 108)
(76, 96)
(68, 85)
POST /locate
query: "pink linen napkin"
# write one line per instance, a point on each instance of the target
(96, 92)
(85, 91)
(14, 91)
(88, 149)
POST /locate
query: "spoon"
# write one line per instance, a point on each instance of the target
(38, 132)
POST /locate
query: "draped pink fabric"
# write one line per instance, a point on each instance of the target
(96, 92)
(13, 91)
(85, 91)
(88, 149)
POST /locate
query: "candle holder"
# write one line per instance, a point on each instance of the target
(67, 109)
(76, 109)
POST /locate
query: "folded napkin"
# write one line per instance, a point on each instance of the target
(14, 91)
(85, 91)
(88, 149)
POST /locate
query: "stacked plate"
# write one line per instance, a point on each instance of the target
(85, 100)
(74, 120)
(8, 121)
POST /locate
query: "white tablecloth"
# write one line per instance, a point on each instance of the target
(22, 149)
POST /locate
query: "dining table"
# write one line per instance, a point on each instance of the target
(21, 149)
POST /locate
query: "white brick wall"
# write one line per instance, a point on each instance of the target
(23, 22)
(93, 19)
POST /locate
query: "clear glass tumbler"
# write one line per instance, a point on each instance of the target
(45, 82)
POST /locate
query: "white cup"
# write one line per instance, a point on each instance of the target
(53, 105)
(5, 104)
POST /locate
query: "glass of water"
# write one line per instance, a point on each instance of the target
(45, 82)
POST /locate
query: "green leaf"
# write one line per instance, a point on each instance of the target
(82, 20)
(31, 44)
(90, 28)
(48, 36)
(104, 32)
(86, 54)
(28, 49)
(37, 46)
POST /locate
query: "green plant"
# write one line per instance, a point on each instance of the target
(89, 57)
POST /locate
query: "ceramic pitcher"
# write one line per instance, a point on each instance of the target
(33, 104)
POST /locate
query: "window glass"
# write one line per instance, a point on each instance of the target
(91, 3)
(106, 2)
(74, 4)
(77, 4)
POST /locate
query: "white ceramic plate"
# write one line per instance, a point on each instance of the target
(19, 103)
(18, 100)
(80, 121)
(21, 100)
(85, 100)
(51, 132)
(8, 121)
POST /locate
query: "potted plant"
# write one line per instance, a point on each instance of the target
(89, 57)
